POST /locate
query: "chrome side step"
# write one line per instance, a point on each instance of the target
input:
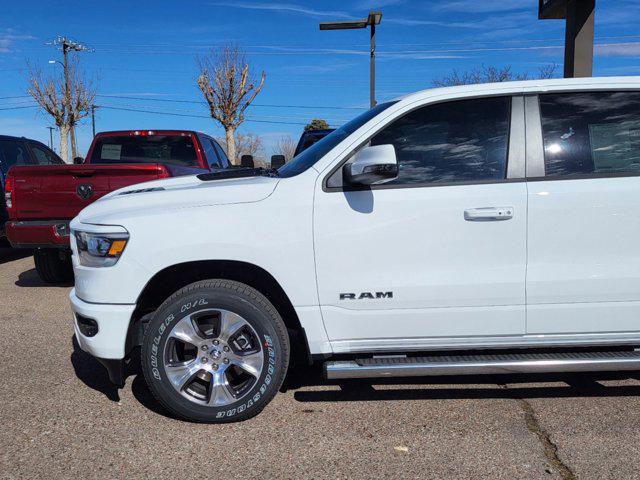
(394, 366)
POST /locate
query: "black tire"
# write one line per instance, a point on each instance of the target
(209, 295)
(53, 265)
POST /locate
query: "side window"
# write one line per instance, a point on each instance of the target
(221, 154)
(458, 141)
(43, 156)
(591, 133)
(12, 153)
(210, 152)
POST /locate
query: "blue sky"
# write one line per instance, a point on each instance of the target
(148, 50)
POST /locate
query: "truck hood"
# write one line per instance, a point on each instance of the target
(164, 196)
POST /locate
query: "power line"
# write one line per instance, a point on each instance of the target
(147, 99)
(18, 108)
(191, 115)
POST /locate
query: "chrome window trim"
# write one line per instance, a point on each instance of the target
(534, 143)
(516, 157)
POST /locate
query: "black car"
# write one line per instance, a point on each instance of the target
(310, 137)
(20, 151)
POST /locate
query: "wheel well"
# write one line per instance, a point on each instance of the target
(171, 279)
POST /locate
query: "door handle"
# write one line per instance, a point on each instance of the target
(487, 214)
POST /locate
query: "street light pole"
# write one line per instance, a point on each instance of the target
(93, 119)
(372, 20)
(51, 137)
(372, 68)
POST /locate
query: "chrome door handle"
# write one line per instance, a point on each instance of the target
(486, 214)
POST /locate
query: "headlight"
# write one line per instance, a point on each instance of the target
(100, 249)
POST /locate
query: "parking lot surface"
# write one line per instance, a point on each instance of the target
(60, 418)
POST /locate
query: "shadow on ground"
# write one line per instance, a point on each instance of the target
(94, 375)
(30, 278)
(8, 254)
(468, 387)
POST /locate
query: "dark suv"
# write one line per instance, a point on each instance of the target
(20, 151)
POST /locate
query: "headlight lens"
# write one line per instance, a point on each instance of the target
(100, 249)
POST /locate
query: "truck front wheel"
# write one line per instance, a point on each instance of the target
(53, 265)
(216, 351)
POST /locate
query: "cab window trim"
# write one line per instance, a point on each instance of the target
(536, 171)
(515, 124)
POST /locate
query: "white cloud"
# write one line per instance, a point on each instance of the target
(484, 6)
(8, 39)
(286, 8)
(490, 23)
(628, 49)
(367, 4)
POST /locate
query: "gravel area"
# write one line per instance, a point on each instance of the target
(60, 418)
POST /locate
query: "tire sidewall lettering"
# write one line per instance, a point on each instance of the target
(156, 360)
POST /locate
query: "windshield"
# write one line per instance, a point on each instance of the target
(168, 149)
(310, 156)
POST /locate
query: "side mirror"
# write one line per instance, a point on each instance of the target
(78, 161)
(372, 166)
(246, 161)
(277, 161)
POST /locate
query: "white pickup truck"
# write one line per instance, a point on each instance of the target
(465, 230)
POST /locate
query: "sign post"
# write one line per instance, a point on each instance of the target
(578, 45)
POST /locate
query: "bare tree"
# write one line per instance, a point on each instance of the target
(245, 144)
(229, 87)
(316, 124)
(67, 100)
(285, 146)
(490, 74)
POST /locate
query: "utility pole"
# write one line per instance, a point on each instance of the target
(93, 119)
(51, 129)
(69, 45)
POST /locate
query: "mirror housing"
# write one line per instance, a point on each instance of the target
(277, 161)
(372, 166)
(78, 161)
(246, 161)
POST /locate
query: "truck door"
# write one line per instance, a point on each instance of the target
(439, 252)
(583, 274)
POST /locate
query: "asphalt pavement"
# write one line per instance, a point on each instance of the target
(60, 418)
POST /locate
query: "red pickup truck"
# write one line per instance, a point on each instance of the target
(41, 200)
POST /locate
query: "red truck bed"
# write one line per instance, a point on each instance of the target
(46, 198)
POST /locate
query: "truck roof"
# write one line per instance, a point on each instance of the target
(148, 131)
(527, 86)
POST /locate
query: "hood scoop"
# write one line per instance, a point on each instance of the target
(238, 173)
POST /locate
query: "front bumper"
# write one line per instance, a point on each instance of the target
(36, 233)
(113, 324)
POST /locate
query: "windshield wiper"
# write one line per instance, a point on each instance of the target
(239, 173)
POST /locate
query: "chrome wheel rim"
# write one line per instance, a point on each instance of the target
(213, 357)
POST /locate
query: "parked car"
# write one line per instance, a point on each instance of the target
(20, 151)
(466, 230)
(42, 199)
(310, 137)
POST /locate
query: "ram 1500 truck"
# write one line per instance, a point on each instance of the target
(41, 200)
(465, 230)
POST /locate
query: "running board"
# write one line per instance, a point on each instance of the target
(394, 366)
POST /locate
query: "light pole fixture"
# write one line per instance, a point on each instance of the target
(372, 20)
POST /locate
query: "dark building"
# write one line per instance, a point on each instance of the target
(578, 46)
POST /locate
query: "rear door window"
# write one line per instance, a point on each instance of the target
(43, 155)
(591, 133)
(221, 154)
(13, 152)
(166, 149)
(210, 152)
